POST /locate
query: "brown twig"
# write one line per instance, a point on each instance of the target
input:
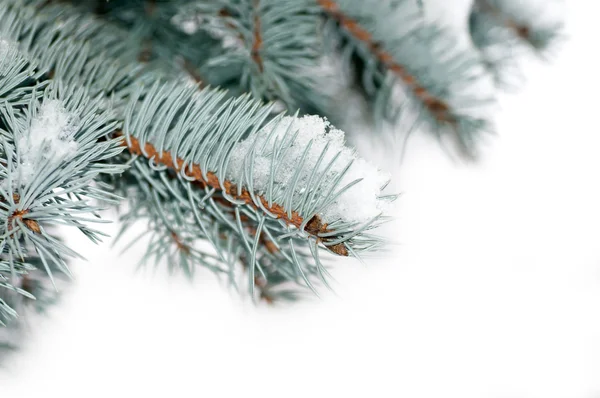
(438, 107)
(29, 223)
(261, 284)
(257, 41)
(193, 72)
(313, 227)
(32, 225)
(179, 243)
(269, 245)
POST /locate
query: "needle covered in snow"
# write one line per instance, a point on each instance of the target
(285, 188)
(49, 141)
(304, 162)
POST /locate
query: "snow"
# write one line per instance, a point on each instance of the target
(49, 141)
(217, 29)
(6, 48)
(214, 26)
(358, 204)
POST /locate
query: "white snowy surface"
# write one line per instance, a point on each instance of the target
(49, 141)
(360, 203)
(494, 291)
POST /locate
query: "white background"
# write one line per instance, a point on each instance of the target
(494, 291)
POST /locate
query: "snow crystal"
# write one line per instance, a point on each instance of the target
(49, 141)
(358, 204)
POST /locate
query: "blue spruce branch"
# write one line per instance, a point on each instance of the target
(442, 81)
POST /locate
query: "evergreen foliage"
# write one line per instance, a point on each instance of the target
(504, 31)
(161, 103)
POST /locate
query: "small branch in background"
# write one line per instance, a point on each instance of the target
(520, 29)
(257, 40)
(438, 108)
(146, 52)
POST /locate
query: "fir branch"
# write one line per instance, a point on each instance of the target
(409, 64)
(203, 216)
(275, 45)
(54, 119)
(193, 172)
(437, 106)
(186, 145)
(43, 184)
